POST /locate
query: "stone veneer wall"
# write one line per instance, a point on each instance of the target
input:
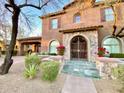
(92, 43)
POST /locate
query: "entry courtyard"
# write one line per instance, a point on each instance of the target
(14, 82)
(61, 46)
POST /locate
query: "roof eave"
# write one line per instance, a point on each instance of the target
(66, 6)
(29, 38)
(92, 28)
(53, 14)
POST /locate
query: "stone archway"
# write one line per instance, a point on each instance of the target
(78, 48)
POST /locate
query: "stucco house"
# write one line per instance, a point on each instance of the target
(82, 29)
(23, 45)
(1, 46)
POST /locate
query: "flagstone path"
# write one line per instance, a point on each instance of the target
(74, 84)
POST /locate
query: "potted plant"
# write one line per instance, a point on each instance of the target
(61, 50)
(102, 51)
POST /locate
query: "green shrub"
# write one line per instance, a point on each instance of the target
(52, 54)
(24, 53)
(116, 55)
(44, 53)
(118, 72)
(50, 70)
(14, 52)
(122, 89)
(30, 72)
(32, 60)
(3, 52)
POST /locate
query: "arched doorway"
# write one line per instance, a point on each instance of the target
(78, 48)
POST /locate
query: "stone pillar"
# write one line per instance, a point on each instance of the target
(93, 37)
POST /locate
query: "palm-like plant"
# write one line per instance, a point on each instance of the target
(30, 72)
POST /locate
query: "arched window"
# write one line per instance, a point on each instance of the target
(112, 45)
(77, 18)
(53, 45)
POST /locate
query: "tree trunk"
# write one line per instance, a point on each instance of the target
(8, 61)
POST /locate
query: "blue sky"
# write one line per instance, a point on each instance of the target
(36, 30)
(34, 15)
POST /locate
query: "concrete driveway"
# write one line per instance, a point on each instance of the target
(17, 59)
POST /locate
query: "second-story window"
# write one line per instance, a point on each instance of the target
(54, 23)
(109, 14)
(77, 18)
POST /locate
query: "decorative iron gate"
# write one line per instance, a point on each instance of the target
(78, 48)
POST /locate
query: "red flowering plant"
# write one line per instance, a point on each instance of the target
(102, 51)
(61, 50)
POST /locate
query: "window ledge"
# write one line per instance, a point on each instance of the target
(108, 21)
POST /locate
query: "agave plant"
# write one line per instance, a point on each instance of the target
(32, 60)
(30, 72)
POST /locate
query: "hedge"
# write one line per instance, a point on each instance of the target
(116, 55)
(14, 52)
(52, 54)
(3, 52)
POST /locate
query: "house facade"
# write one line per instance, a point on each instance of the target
(82, 28)
(2, 46)
(24, 45)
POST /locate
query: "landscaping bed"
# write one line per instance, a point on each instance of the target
(112, 75)
(15, 82)
(107, 86)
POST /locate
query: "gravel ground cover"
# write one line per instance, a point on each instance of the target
(14, 81)
(107, 86)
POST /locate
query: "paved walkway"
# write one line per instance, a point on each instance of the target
(75, 84)
(16, 59)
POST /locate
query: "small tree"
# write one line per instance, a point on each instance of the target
(4, 26)
(15, 10)
(113, 4)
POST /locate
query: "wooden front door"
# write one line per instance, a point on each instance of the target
(78, 48)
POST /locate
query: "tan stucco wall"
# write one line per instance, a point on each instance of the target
(2, 46)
